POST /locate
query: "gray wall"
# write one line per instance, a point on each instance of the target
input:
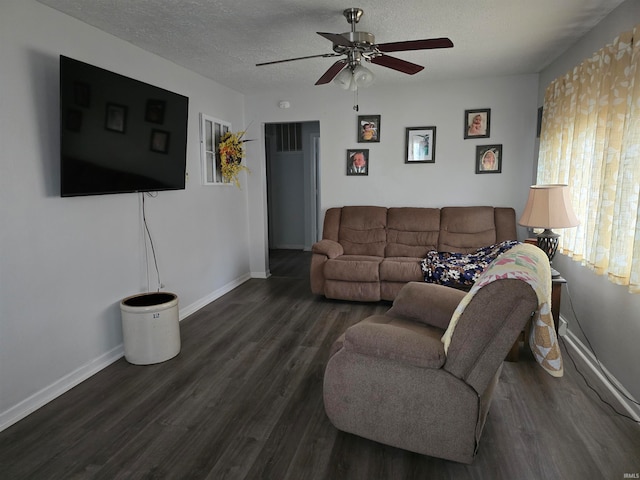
(65, 263)
(451, 180)
(609, 315)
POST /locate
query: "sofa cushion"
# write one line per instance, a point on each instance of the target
(465, 229)
(352, 291)
(401, 269)
(505, 218)
(389, 290)
(461, 269)
(353, 268)
(363, 230)
(412, 232)
(331, 225)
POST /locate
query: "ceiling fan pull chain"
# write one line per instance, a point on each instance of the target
(356, 107)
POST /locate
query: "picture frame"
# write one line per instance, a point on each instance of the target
(420, 145)
(154, 113)
(477, 123)
(159, 141)
(368, 128)
(489, 159)
(115, 118)
(358, 162)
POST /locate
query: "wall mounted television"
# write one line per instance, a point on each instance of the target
(117, 134)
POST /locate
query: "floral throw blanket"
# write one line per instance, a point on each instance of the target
(530, 264)
(461, 269)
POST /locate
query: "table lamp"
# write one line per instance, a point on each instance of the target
(549, 206)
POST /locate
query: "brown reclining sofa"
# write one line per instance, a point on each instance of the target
(369, 253)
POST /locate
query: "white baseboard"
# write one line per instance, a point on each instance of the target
(53, 391)
(194, 307)
(586, 354)
(66, 383)
(261, 275)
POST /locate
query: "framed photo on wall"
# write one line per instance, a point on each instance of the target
(368, 128)
(115, 118)
(358, 162)
(154, 112)
(489, 159)
(159, 141)
(477, 123)
(420, 145)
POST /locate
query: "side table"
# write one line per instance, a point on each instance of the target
(556, 290)
(556, 296)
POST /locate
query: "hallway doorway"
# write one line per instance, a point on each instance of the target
(292, 152)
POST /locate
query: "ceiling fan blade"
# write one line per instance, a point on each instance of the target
(330, 74)
(325, 55)
(415, 45)
(336, 38)
(397, 64)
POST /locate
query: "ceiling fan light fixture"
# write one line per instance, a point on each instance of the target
(354, 78)
(344, 79)
(362, 76)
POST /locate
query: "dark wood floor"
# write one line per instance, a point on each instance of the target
(243, 400)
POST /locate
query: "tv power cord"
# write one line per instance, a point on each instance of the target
(600, 368)
(153, 250)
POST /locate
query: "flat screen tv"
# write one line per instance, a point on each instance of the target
(118, 134)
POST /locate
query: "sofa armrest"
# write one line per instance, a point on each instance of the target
(376, 338)
(337, 345)
(328, 247)
(428, 303)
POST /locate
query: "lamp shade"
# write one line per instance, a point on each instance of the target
(549, 206)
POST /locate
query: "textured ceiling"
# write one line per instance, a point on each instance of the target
(224, 39)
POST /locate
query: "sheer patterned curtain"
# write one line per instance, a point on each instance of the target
(590, 140)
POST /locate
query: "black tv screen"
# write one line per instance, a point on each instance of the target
(118, 134)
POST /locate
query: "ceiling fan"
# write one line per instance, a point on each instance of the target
(357, 46)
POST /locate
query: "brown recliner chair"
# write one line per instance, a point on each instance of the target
(388, 378)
